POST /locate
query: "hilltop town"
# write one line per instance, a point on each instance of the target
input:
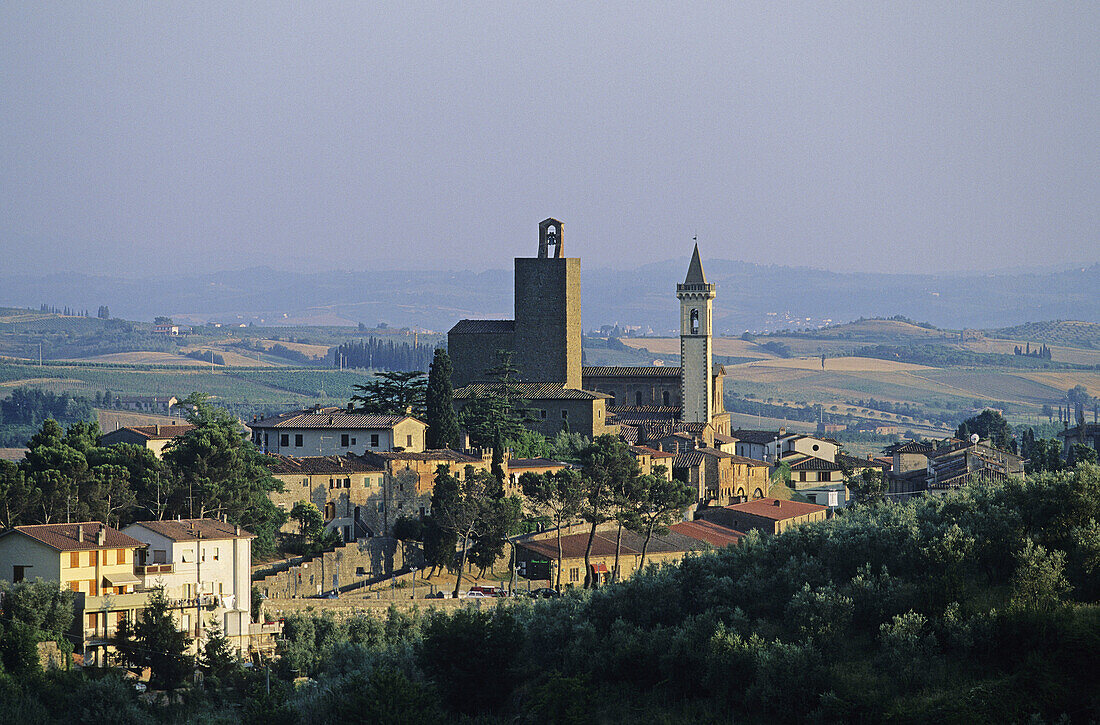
(185, 539)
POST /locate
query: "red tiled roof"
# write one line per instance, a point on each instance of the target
(712, 533)
(157, 432)
(478, 327)
(517, 463)
(282, 465)
(192, 529)
(772, 508)
(435, 454)
(652, 452)
(631, 371)
(328, 418)
(63, 536)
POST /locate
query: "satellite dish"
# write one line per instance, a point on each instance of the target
(974, 438)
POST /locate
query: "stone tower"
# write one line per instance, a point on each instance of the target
(548, 312)
(696, 380)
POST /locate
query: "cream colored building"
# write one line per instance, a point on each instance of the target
(336, 432)
(204, 566)
(153, 437)
(90, 559)
(346, 489)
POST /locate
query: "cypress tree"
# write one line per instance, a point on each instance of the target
(440, 413)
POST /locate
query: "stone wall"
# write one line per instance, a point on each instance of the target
(355, 562)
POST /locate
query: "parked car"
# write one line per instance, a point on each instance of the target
(544, 593)
(489, 591)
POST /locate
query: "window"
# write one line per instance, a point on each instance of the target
(185, 622)
(695, 322)
(638, 397)
(284, 439)
(297, 440)
(345, 439)
(408, 441)
(664, 398)
(92, 620)
(120, 556)
(74, 559)
(305, 483)
(265, 440)
(159, 556)
(542, 414)
(19, 573)
(330, 511)
(564, 414)
(217, 553)
(93, 558)
(347, 483)
(93, 588)
(74, 586)
(574, 574)
(353, 441)
(373, 440)
(187, 556)
(802, 476)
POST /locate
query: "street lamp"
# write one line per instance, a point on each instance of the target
(414, 582)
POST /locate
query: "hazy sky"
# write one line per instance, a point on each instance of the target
(915, 136)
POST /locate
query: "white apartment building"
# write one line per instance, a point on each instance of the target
(204, 567)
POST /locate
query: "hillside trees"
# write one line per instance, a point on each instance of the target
(439, 404)
(660, 503)
(154, 640)
(218, 471)
(607, 466)
(558, 495)
(392, 393)
(988, 424)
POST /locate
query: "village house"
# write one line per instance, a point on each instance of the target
(720, 478)
(769, 515)
(334, 431)
(152, 404)
(153, 437)
(204, 566)
(409, 478)
(516, 467)
(650, 458)
(94, 561)
(553, 408)
(347, 490)
(537, 554)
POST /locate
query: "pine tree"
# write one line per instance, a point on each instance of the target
(440, 413)
(154, 641)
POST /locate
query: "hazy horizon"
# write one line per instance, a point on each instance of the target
(143, 140)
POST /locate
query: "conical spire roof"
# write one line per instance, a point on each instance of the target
(695, 269)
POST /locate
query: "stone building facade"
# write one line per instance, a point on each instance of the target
(346, 489)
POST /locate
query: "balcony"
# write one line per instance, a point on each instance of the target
(153, 569)
(115, 602)
(207, 601)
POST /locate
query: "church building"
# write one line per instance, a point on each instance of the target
(544, 342)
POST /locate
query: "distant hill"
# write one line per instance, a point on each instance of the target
(1071, 333)
(763, 298)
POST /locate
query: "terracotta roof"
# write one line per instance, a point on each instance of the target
(707, 531)
(853, 462)
(644, 413)
(603, 544)
(773, 508)
(910, 447)
(434, 454)
(281, 465)
(628, 433)
(328, 418)
(647, 451)
(193, 529)
(13, 454)
(63, 536)
(748, 461)
(631, 371)
(814, 464)
(756, 436)
(531, 391)
(155, 432)
(533, 463)
(482, 326)
(688, 459)
(723, 438)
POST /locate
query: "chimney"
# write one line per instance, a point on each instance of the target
(79, 533)
(101, 535)
(777, 502)
(237, 530)
(156, 429)
(782, 431)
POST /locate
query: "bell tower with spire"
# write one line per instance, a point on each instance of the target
(696, 379)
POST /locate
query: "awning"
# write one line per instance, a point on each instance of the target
(599, 568)
(119, 579)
